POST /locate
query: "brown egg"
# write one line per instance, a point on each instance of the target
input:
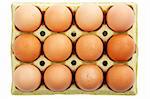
(120, 17)
(27, 78)
(89, 47)
(89, 17)
(58, 18)
(89, 77)
(120, 78)
(27, 18)
(57, 47)
(26, 48)
(120, 47)
(57, 77)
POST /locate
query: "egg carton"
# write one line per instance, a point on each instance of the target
(73, 62)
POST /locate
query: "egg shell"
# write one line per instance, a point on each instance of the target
(57, 77)
(57, 47)
(120, 77)
(121, 47)
(27, 18)
(89, 77)
(89, 47)
(26, 47)
(120, 17)
(27, 78)
(89, 17)
(58, 18)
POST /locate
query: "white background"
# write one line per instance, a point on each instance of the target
(143, 46)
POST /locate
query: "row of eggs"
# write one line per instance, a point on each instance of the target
(58, 47)
(88, 77)
(88, 17)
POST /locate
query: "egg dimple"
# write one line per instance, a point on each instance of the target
(27, 18)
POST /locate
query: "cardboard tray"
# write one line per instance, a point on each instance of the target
(103, 90)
